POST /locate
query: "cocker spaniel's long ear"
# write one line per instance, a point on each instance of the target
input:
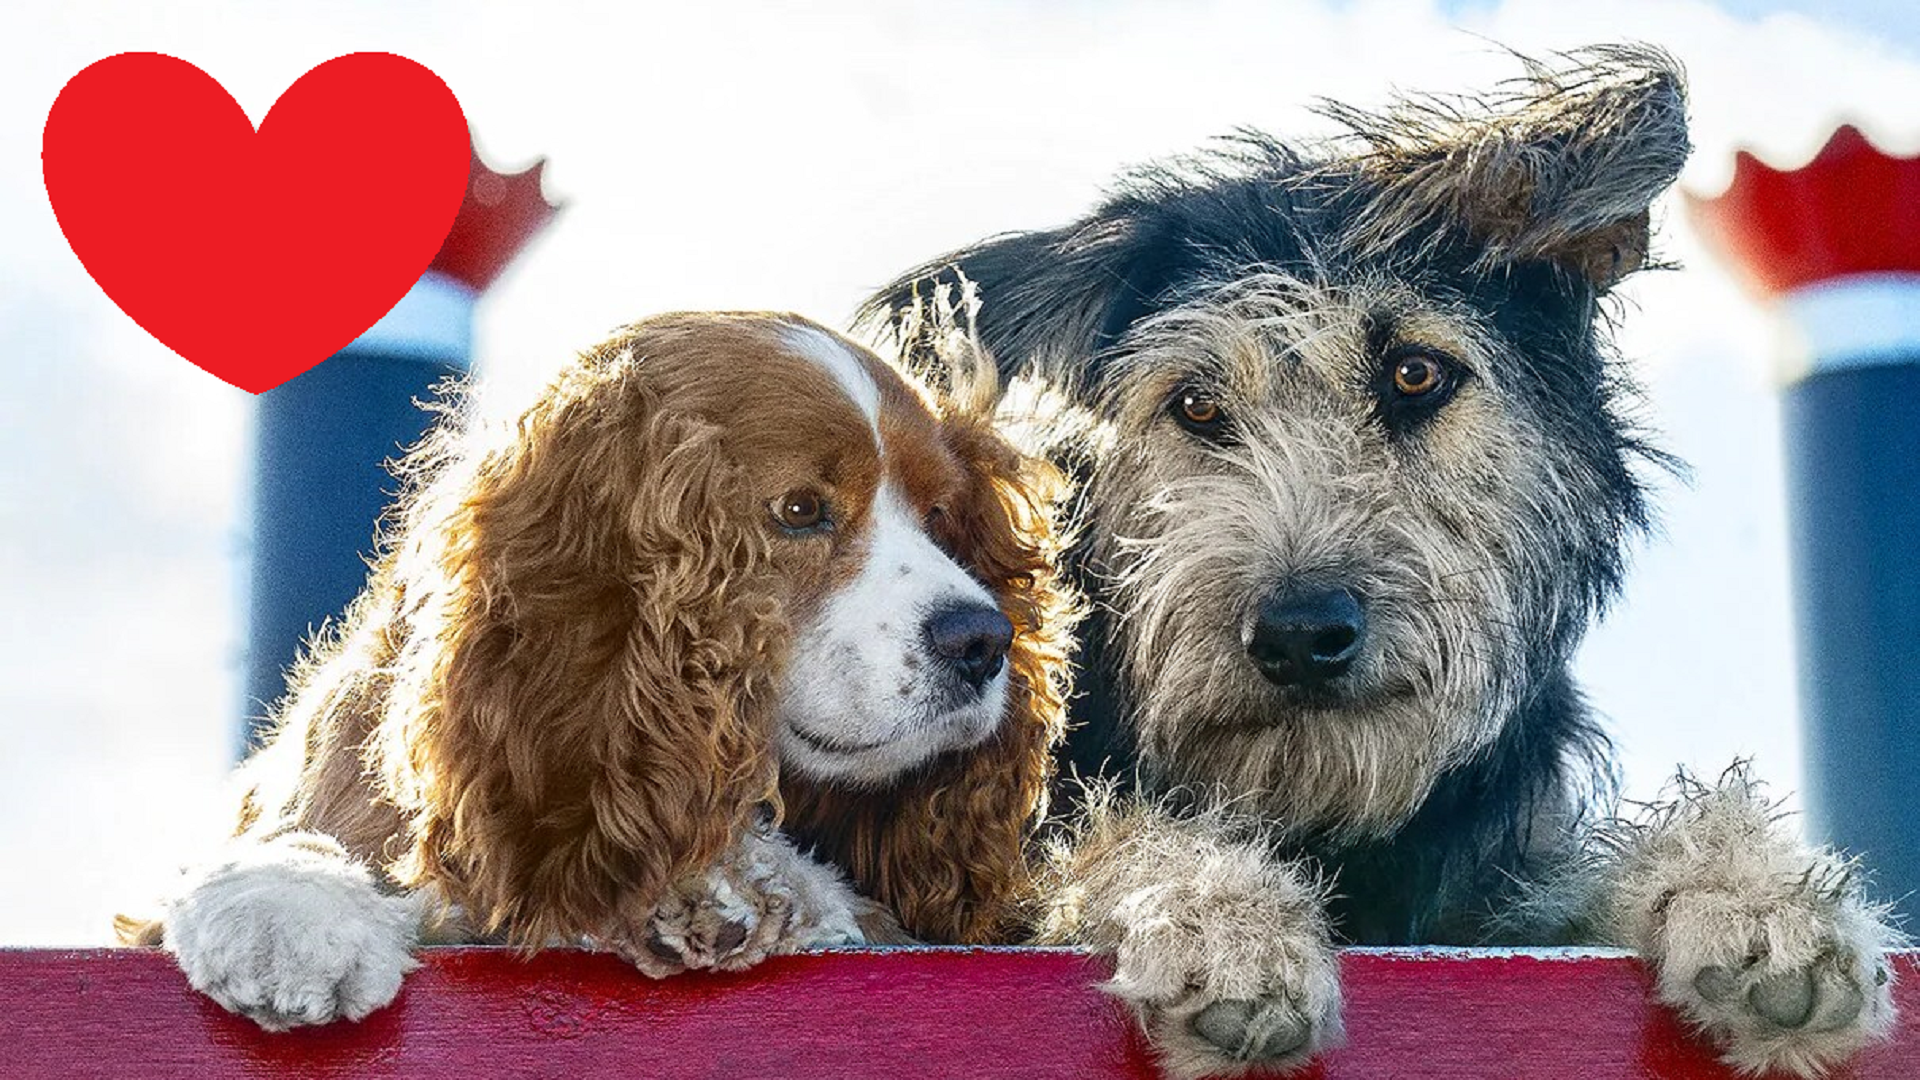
(947, 850)
(580, 712)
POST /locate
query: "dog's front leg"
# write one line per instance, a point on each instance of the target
(762, 898)
(1763, 943)
(292, 931)
(1223, 951)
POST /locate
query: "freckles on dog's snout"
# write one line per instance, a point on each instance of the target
(1306, 637)
(970, 640)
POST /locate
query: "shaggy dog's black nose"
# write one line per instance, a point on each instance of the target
(1305, 638)
(971, 639)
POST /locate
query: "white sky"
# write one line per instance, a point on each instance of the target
(796, 158)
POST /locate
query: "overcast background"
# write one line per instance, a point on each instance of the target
(796, 158)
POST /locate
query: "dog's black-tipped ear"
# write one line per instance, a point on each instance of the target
(1560, 165)
(1048, 301)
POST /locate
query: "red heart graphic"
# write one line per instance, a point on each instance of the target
(255, 256)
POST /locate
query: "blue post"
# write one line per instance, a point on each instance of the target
(1835, 246)
(324, 438)
(1852, 432)
(321, 482)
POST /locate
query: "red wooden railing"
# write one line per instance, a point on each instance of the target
(907, 1013)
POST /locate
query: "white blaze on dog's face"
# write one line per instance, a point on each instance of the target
(904, 659)
(898, 653)
(901, 663)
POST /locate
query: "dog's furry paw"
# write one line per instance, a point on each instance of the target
(763, 898)
(293, 934)
(1231, 970)
(1795, 981)
(709, 923)
(1763, 944)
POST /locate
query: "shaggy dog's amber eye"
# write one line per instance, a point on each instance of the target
(1417, 374)
(1198, 413)
(800, 510)
(1414, 383)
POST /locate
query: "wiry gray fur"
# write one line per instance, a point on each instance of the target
(1460, 601)
(1450, 783)
(1552, 165)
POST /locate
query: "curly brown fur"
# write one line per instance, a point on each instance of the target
(556, 703)
(579, 710)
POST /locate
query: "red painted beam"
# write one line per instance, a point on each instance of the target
(919, 1013)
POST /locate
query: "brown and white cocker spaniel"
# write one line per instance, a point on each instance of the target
(738, 643)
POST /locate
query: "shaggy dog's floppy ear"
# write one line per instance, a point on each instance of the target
(1561, 166)
(580, 713)
(946, 849)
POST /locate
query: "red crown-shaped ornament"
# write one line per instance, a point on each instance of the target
(500, 213)
(1851, 210)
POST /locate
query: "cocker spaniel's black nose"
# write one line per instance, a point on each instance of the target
(970, 639)
(1306, 638)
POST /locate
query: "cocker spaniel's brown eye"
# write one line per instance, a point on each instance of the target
(1418, 373)
(800, 510)
(1198, 412)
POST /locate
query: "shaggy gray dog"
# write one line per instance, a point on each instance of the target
(1356, 475)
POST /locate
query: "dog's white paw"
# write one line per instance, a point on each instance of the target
(1794, 981)
(290, 935)
(763, 898)
(1230, 974)
(1762, 943)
